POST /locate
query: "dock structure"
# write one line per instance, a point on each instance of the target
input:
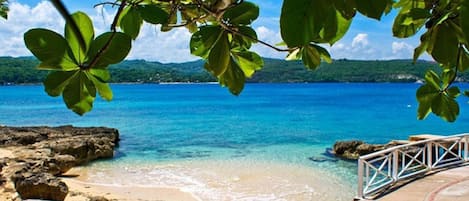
(385, 171)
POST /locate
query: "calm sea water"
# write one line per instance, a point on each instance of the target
(271, 122)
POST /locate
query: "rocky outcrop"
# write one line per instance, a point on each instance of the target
(40, 186)
(39, 154)
(353, 149)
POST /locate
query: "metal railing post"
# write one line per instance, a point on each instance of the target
(360, 178)
(429, 156)
(395, 164)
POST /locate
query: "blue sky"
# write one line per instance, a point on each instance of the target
(366, 39)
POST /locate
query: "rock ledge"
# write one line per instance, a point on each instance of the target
(31, 158)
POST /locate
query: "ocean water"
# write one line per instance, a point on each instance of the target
(166, 129)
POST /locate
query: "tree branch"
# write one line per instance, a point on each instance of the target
(68, 18)
(114, 30)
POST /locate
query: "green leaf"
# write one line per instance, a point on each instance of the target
(242, 14)
(424, 42)
(323, 52)
(433, 80)
(373, 8)
(117, 49)
(463, 18)
(78, 94)
(87, 33)
(56, 81)
(249, 62)
(343, 24)
(219, 56)
(233, 78)
(464, 61)
(103, 88)
(346, 8)
(102, 74)
(445, 107)
(153, 14)
(245, 40)
(171, 19)
(131, 23)
(425, 95)
(466, 93)
(203, 40)
(311, 57)
(453, 92)
(48, 46)
(405, 25)
(297, 24)
(445, 45)
(4, 9)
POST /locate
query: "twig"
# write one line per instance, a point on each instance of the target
(114, 31)
(65, 14)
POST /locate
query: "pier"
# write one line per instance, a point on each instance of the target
(405, 170)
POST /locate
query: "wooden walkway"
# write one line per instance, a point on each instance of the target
(447, 185)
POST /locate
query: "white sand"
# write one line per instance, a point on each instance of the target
(212, 180)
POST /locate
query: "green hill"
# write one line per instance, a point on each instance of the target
(22, 70)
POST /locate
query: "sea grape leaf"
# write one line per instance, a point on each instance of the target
(242, 14)
(78, 94)
(345, 8)
(445, 107)
(464, 61)
(117, 50)
(103, 88)
(131, 23)
(445, 45)
(56, 81)
(466, 93)
(4, 9)
(453, 92)
(203, 40)
(311, 57)
(245, 40)
(373, 8)
(423, 46)
(233, 78)
(47, 46)
(101, 74)
(405, 26)
(87, 33)
(219, 56)
(432, 79)
(153, 14)
(463, 18)
(425, 95)
(249, 62)
(297, 22)
(171, 19)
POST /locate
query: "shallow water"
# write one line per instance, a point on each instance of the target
(205, 128)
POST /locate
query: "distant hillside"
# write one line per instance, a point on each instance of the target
(22, 70)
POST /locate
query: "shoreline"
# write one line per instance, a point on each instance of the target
(210, 180)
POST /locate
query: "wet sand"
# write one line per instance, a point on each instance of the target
(209, 180)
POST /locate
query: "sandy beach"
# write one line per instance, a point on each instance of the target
(207, 180)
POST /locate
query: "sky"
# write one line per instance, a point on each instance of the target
(366, 39)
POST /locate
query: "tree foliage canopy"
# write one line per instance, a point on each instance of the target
(222, 35)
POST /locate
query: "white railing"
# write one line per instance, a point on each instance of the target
(378, 171)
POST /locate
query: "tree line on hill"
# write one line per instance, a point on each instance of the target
(22, 71)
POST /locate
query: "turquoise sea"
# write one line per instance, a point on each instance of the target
(166, 125)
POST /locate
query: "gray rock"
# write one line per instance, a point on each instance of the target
(40, 186)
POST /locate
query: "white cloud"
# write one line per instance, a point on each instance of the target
(360, 41)
(400, 47)
(152, 44)
(21, 18)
